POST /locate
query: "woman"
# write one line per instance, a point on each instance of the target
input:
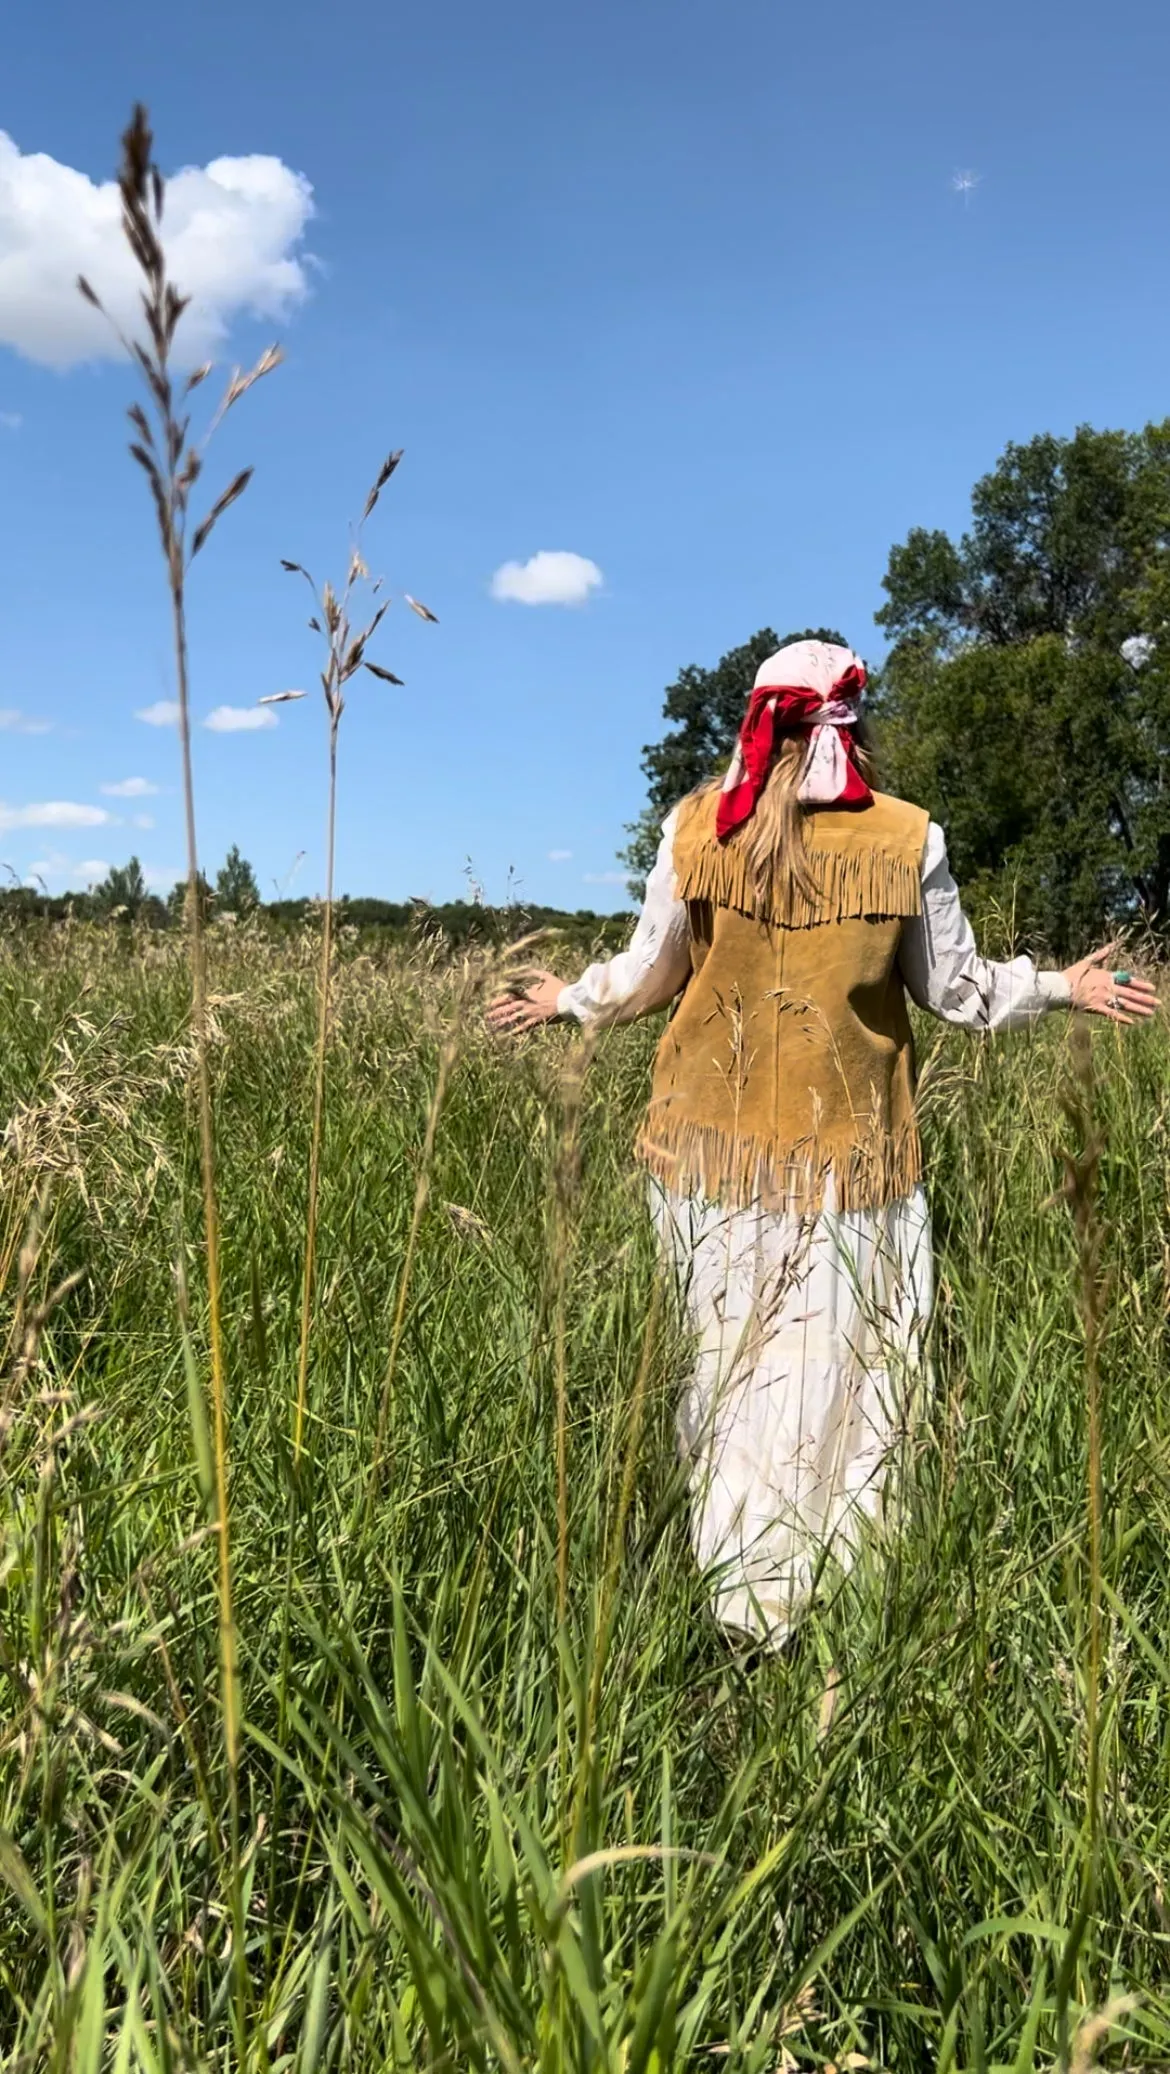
(793, 909)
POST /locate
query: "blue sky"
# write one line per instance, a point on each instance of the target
(685, 290)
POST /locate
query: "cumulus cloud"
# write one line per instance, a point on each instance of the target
(130, 788)
(53, 813)
(236, 720)
(559, 856)
(51, 866)
(551, 577)
(14, 722)
(163, 713)
(57, 869)
(231, 229)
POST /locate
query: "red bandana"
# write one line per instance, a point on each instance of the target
(831, 775)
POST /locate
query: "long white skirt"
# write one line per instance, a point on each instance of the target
(808, 1361)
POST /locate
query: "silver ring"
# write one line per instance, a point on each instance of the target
(1111, 1001)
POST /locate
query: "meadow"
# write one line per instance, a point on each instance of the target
(503, 1798)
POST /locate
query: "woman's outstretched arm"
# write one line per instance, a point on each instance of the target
(944, 972)
(645, 976)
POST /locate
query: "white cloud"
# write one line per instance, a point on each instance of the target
(605, 878)
(144, 820)
(56, 869)
(559, 856)
(236, 720)
(163, 713)
(161, 877)
(51, 866)
(10, 421)
(551, 577)
(231, 231)
(130, 788)
(14, 722)
(54, 813)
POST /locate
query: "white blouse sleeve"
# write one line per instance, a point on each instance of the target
(944, 972)
(657, 963)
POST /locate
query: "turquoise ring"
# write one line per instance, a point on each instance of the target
(1122, 979)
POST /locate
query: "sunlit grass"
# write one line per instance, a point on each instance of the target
(476, 1841)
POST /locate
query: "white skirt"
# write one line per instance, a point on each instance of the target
(808, 1360)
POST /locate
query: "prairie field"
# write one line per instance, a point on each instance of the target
(501, 1795)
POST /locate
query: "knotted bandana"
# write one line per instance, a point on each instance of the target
(813, 688)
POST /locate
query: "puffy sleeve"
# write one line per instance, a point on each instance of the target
(943, 971)
(655, 966)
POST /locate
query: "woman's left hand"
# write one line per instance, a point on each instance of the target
(1114, 994)
(512, 1014)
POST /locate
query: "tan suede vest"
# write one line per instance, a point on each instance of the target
(789, 1061)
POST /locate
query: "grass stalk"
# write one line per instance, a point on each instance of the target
(566, 1183)
(448, 1053)
(345, 655)
(324, 1000)
(172, 466)
(1082, 1176)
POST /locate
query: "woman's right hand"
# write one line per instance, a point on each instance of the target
(526, 1008)
(1098, 992)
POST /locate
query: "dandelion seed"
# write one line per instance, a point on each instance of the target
(965, 183)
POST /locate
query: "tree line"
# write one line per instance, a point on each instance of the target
(123, 898)
(1025, 696)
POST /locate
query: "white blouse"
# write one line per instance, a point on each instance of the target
(937, 958)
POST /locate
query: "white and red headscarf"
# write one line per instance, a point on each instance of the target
(811, 688)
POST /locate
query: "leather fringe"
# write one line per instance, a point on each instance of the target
(700, 1159)
(852, 883)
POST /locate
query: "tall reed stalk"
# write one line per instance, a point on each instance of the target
(1082, 1169)
(172, 465)
(566, 1180)
(345, 655)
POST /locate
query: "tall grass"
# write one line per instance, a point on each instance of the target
(345, 654)
(485, 1851)
(172, 462)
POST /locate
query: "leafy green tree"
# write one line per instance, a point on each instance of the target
(122, 892)
(236, 890)
(1007, 705)
(706, 707)
(1063, 533)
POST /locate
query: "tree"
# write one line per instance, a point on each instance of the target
(1007, 706)
(1063, 532)
(707, 707)
(122, 892)
(236, 890)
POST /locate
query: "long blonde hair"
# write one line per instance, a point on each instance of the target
(773, 840)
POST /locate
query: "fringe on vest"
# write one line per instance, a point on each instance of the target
(739, 1172)
(852, 883)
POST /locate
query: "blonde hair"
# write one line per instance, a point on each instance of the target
(773, 840)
